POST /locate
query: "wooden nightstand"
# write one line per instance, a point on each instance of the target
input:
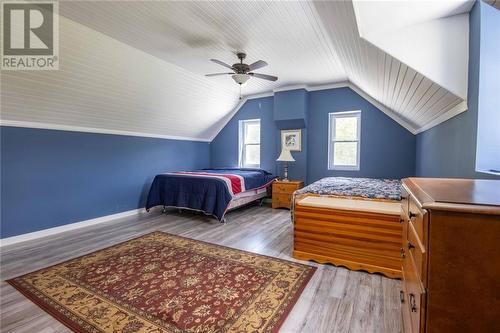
(282, 192)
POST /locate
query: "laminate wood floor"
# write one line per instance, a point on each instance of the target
(335, 300)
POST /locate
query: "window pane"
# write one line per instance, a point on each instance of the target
(252, 133)
(345, 153)
(346, 128)
(252, 155)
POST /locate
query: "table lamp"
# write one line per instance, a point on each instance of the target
(286, 157)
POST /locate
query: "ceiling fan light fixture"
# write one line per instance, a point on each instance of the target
(240, 78)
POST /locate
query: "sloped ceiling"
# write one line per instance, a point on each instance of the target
(106, 86)
(414, 98)
(138, 66)
(287, 35)
(432, 39)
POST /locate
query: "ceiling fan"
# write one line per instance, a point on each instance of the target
(242, 72)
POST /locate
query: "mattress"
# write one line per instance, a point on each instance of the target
(370, 206)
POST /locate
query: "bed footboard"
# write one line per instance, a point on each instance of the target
(367, 240)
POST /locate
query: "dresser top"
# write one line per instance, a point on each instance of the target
(478, 195)
(294, 182)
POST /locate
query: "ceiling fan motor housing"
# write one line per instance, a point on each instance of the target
(241, 68)
(241, 55)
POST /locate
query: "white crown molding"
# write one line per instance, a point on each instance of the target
(72, 226)
(327, 86)
(58, 127)
(69, 128)
(291, 87)
(307, 87)
(333, 85)
(261, 95)
(454, 111)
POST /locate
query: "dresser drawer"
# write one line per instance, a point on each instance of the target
(415, 302)
(405, 202)
(416, 218)
(282, 199)
(417, 251)
(405, 312)
(414, 297)
(284, 188)
(411, 279)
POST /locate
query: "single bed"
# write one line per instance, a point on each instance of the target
(353, 222)
(211, 191)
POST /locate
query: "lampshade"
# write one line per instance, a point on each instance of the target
(285, 156)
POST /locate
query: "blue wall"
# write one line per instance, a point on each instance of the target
(52, 178)
(224, 148)
(449, 149)
(291, 112)
(290, 109)
(387, 149)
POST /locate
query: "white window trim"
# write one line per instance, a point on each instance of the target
(241, 143)
(331, 135)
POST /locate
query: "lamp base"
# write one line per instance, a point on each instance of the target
(285, 178)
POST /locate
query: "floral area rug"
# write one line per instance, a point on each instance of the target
(165, 283)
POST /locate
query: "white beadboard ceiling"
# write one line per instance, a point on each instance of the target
(105, 85)
(413, 98)
(383, 16)
(138, 66)
(432, 39)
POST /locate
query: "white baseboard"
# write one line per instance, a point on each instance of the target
(73, 226)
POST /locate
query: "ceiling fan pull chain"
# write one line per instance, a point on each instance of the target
(240, 91)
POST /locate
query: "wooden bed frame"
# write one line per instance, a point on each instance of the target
(358, 239)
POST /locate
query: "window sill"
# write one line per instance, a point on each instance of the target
(489, 172)
(344, 169)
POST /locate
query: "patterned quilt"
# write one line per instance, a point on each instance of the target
(365, 188)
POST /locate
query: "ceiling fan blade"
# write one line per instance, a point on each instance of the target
(221, 63)
(217, 74)
(257, 65)
(264, 76)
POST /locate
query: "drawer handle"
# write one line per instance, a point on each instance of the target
(401, 296)
(410, 246)
(402, 253)
(412, 215)
(413, 306)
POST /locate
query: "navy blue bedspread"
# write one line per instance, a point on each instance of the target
(209, 195)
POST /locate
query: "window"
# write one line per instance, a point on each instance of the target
(344, 140)
(488, 115)
(249, 143)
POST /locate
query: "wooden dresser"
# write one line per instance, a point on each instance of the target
(283, 190)
(451, 255)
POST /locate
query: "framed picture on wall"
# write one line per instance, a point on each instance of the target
(291, 139)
